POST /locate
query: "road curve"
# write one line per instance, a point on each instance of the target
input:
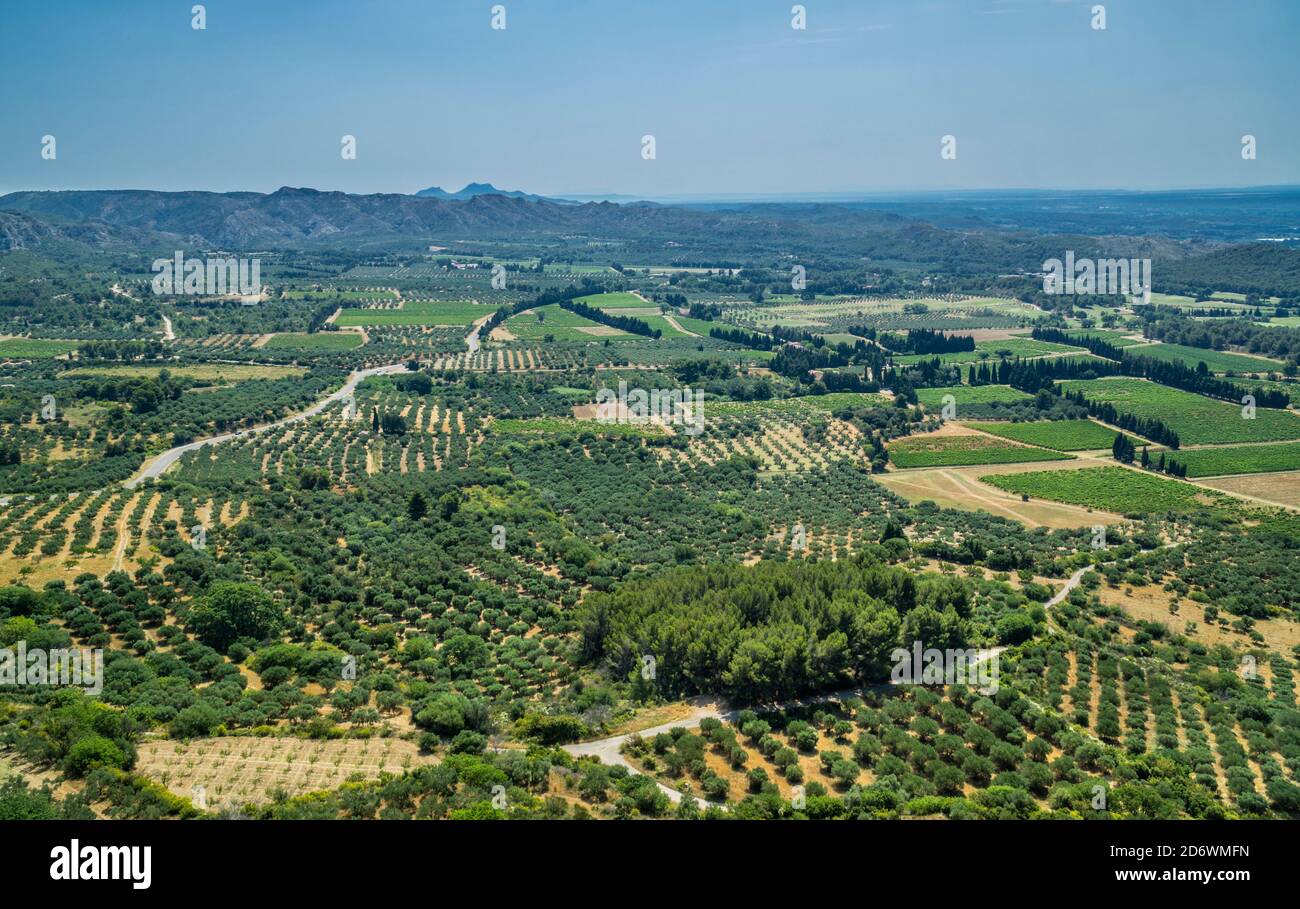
(155, 468)
(610, 750)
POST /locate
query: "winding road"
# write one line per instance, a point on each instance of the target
(159, 465)
(155, 468)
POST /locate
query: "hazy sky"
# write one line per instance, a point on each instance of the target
(737, 100)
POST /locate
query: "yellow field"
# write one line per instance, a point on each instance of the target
(235, 770)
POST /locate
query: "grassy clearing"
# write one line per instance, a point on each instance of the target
(1197, 420)
(961, 451)
(1060, 435)
(1116, 489)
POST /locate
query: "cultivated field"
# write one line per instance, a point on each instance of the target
(1116, 489)
(1060, 435)
(235, 770)
(1197, 420)
(959, 450)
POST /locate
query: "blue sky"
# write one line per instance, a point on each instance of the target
(737, 100)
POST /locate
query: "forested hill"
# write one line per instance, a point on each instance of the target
(292, 217)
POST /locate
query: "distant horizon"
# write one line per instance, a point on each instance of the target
(847, 194)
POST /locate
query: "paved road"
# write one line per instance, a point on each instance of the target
(471, 340)
(159, 465)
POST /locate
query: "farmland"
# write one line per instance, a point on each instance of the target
(966, 394)
(321, 340)
(415, 313)
(34, 348)
(1221, 461)
(997, 350)
(559, 324)
(1108, 488)
(1215, 360)
(1197, 420)
(1059, 435)
(959, 450)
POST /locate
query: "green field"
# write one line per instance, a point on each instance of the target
(34, 348)
(560, 324)
(932, 398)
(1060, 435)
(1196, 419)
(1116, 489)
(321, 340)
(422, 313)
(1214, 360)
(959, 451)
(994, 351)
(617, 300)
(1214, 462)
